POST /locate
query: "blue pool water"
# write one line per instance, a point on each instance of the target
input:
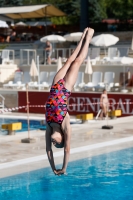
(105, 177)
(34, 124)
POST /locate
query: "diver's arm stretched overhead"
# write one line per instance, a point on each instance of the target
(49, 148)
(66, 128)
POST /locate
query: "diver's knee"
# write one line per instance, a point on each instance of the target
(78, 60)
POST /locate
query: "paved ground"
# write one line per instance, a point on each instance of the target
(88, 139)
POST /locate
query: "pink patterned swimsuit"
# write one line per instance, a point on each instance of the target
(56, 105)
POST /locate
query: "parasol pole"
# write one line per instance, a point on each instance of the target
(27, 99)
(28, 140)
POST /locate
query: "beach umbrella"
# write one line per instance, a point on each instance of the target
(88, 68)
(127, 60)
(73, 37)
(59, 64)
(53, 38)
(33, 69)
(20, 24)
(3, 24)
(104, 40)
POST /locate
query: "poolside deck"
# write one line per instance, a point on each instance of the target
(87, 140)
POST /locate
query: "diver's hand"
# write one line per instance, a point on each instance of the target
(61, 172)
(55, 172)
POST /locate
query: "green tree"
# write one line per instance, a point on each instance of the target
(97, 10)
(72, 10)
(17, 2)
(11, 3)
(120, 9)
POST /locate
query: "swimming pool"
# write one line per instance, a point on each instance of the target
(108, 176)
(34, 124)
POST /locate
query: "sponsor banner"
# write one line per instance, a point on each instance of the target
(79, 102)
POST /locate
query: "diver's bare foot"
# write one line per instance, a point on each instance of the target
(90, 33)
(84, 33)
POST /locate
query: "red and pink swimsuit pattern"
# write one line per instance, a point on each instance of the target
(56, 105)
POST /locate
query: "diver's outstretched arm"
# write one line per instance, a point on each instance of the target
(66, 128)
(49, 149)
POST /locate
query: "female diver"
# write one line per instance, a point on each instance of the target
(58, 130)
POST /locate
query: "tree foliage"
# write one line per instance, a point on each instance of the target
(72, 9)
(4, 3)
(120, 9)
(97, 9)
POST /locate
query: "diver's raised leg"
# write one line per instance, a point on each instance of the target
(71, 75)
(62, 72)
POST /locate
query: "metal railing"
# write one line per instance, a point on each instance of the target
(8, 55)
(24, 56)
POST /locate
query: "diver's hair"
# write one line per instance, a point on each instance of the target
(61, 145)
(104, 90)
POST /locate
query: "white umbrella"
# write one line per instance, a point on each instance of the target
(33, 69)
(53, 38)
(104, 40)
(59, 64)
(3, 24)
(127, 60)
(21, 24)
(73, 37)
(88, 69)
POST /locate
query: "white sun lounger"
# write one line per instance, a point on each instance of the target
(94, 55)
(96, 79)
(6, 56)
(17, 81)
(43, 79)
(80, 80)
(112, 53)
(108, 82)
(123, 52)
(16, 85)
(46, 83)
